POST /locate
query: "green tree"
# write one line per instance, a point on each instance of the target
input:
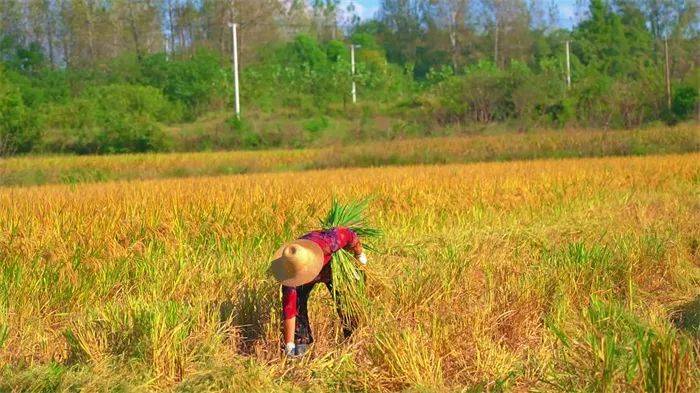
(614, 44)
(400, 29)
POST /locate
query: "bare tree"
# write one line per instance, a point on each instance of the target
(453, 17)
(509, 23)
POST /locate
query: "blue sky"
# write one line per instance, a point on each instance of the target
(567, 10)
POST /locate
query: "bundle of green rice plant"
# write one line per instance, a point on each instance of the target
(349, 285)
(348, 279)
(352, 216)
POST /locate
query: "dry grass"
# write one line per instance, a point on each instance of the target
(542, 275)
(499, 147)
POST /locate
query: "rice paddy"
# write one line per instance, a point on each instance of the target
(546, 275)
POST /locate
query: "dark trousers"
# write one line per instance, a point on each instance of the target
(302, 333)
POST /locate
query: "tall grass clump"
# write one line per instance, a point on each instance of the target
(612, 347)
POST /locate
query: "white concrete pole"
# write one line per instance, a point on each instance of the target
(234, 33)
(668, 74)
(568, 66)
(352, 66)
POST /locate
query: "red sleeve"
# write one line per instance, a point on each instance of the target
(348, 240)
(289, 302)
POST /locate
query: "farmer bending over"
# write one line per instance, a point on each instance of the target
(299, 266)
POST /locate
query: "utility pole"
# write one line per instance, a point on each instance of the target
(352, 66)
(668, 74)
(495, 46)
(568, 65)
(234, 33)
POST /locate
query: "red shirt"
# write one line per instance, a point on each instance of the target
(330, 241)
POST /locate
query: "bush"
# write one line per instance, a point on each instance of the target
(632, 104)
(305, 51)
(479, 96)
(131, 133)
(18, 126)
(195, 83)
(540, 97)
(593, 93)
(246, 136)
(111, 119)
(135, 100)
(317, 124)
(685, 102)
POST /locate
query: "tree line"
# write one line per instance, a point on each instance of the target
(100, 76)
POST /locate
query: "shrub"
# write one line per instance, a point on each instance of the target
(305, 51)
(111, 119)
(337, 51)
(593, 93)
(540, 97)
(135, 100)
(196, 83)
(131, 133)
(246, 136)
(479, 96)
(317, 124)
(685, 102)
(18, 126)
(46, 86)
(632, 103)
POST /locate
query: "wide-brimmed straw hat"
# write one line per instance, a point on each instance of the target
(297, 263)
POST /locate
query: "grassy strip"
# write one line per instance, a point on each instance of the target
(503, 147)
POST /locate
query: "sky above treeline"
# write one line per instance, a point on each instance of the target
(368, 8)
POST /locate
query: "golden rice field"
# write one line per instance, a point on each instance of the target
(684, 138)
(545, 275)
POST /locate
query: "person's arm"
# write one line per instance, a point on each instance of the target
(289, 326)
(351, 243)
(289, 313)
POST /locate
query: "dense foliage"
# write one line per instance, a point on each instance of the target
(421, 67)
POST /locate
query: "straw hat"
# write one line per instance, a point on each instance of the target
(297, 263)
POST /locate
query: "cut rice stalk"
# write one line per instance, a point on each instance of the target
(349, 284)
(348, 279)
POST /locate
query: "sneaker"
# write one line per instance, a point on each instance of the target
(300, 349)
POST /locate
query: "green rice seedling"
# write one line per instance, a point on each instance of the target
(352, 216)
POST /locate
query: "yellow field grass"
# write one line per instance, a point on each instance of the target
(500, 147)
(566, 275)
